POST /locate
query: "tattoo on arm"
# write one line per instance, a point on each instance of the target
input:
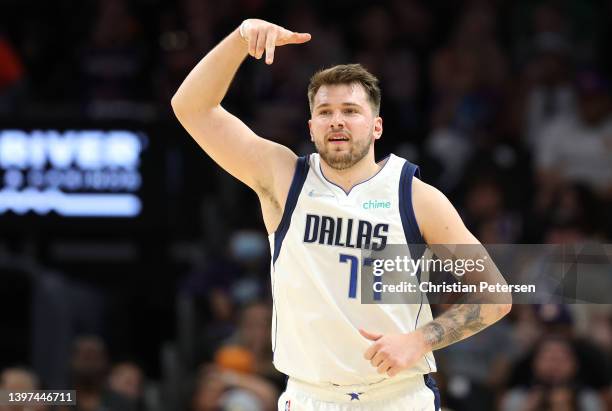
(459, 322)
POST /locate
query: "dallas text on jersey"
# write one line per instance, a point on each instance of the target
(345, 232)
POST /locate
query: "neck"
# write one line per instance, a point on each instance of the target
(349, 177)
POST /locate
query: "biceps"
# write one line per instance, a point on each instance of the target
(446, 226)
(440, 222)
(237, 149)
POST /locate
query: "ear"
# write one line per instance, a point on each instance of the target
(310, 130)
(378, 128)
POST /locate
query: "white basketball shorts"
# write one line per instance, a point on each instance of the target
(418, 393)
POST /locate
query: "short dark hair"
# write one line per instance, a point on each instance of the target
(346, 74)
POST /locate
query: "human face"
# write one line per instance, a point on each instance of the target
(554, 362)
(342, 125)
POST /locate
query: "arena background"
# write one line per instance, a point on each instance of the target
(505, 105)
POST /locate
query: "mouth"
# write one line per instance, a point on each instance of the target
(337, 138)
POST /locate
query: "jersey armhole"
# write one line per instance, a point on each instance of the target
(409, 222)
(299, 177)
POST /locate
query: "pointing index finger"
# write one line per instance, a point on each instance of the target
(270, 45)
(291, 37)
(301, 37)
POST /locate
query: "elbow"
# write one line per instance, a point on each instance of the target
(506, 307)
(176, 105)
(181, 109)
(185, 109)
(181, 104)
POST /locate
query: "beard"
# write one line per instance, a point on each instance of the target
(341, 160)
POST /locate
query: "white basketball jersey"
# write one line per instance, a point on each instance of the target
(316, 273)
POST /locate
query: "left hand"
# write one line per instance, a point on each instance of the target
(394, 353)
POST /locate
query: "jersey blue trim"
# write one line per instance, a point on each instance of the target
(416, 324)
(431, 384)
(409, 223)
(414, 239)
(275, 313)
(299, 177)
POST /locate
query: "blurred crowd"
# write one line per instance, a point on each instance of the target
(505, 105)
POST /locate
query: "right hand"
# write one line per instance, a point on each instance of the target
(264, 36)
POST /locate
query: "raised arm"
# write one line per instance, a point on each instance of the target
(253, 160)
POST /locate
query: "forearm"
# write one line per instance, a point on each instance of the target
(208, 82)
(461, 321)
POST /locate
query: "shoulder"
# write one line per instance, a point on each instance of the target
(425, 196)
(427, 203)
(410, 173)
(438, 220)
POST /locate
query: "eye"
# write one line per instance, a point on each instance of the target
(324, 112)
(350, 111)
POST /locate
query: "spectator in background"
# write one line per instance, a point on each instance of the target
(467, 79)
(526, 329)
(599, 328)
(207, 291)
(200, 18)
(374, 30)
(62, 309)
(531, 20)
(572, 206)
(126, 379)
(176, 53)
(19, 379)
(555, 385)
(89, 369)
(579, 203)
(249, 249)
(225, 390)
(486, 211)
(591, 369)
(583, 23)
(545, 92)
(186, 31)
(216, 285)
(113, 61)
(413, 23)
(252, 337)
(578, 148)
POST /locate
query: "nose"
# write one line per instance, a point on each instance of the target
(337, 120)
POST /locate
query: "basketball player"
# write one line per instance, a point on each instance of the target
(319, 211)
